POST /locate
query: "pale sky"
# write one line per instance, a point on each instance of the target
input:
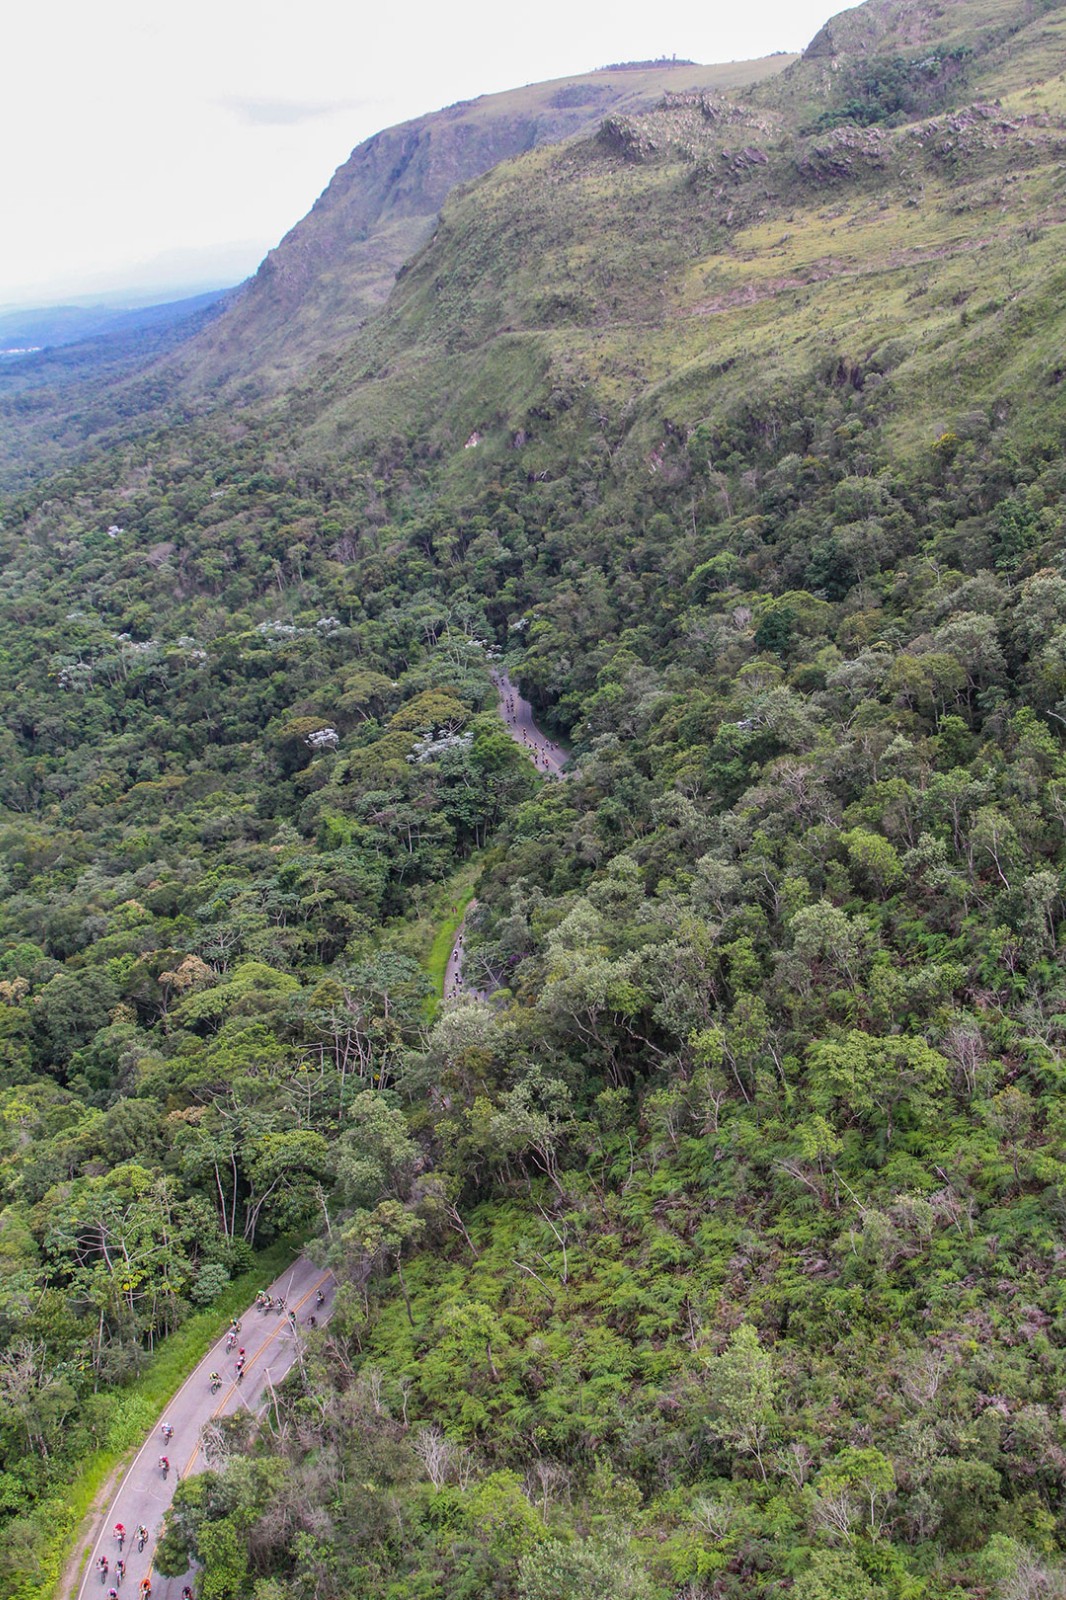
(147, 143)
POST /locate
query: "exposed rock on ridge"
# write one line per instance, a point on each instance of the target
(339, 263)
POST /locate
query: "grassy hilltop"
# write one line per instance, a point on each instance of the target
(339, 263)
(711, 250)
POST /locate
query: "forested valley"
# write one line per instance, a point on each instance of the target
(721, 1251)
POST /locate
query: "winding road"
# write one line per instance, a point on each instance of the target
(143, 1496)
(549, 758)
(517, 713)
(270, 1342)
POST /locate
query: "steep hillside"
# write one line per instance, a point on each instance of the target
(338, 264)
(329, 274)
(708, 256)
(891, 60)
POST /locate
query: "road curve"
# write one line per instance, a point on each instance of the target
(455, 983)
(144, 1495)
(517, 713)
(549, 758)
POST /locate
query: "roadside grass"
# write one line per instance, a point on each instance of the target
(59, 1521)
(427, 935)
(451, 906)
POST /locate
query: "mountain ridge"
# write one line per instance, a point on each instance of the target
(337, 265)
(694, 190)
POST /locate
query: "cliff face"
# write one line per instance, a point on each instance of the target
(339, 263)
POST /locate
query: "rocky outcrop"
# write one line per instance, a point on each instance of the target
(339, 263)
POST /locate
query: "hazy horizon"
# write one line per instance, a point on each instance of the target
(147, 283)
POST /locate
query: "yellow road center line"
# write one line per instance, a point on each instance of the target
(252, 1360)
(185, 1471)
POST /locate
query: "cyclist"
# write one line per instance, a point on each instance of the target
(164, 1465)
(112, 1594)
(186, 1593)
(120, 1570)
(292, 1319)
(142, 1536)
(216, 1381)
(167, 1431)
(279, 1304)
(101, 1567)
(320, 1298)
(146, 1588)
(120, 1534)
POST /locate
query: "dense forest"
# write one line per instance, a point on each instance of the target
(720, 1252)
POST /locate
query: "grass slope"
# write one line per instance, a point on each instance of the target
(339, 263)
(704, 256)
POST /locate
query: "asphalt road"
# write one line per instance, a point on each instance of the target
(455, 983)
(271, 1347)
(550, 759)
(517, 713)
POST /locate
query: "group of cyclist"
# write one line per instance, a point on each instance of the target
(103, 1566)
(215, 1378)
(268, 1302)
(264, 1302)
